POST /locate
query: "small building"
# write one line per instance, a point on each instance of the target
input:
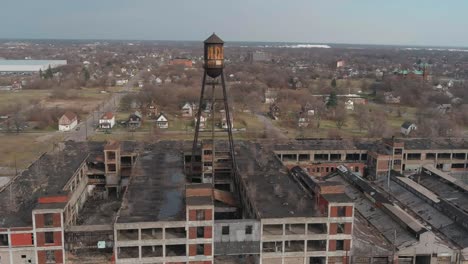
(274, 112)
(308, 109)
(188, 109)
(349, 105)
(303, 120)
(162, 121)
(224, 123)
(107, 121)
(389, 98)
(340, 64)
(67, 121)
(181, 61)
(203, 120)
(121, 82)
(135, 120)
(271, 95)
(152, 110)
(407, 127)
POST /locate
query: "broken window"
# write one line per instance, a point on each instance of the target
(200, 249)
(340, 228)
(200, 232)
(248, 230)
(200, 215)
(49, 237)
(50, 256)
(341, 211)
(4, 240)
(225, 230)
(339, 244)
(48, 219)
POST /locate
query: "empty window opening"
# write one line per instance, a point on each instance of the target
(316, 245)
(4, 240)
(248, 230)
(275, 246)
(175, 251)
(294, 246)
(200, 215)
(200, 232)
(225, 230)
(127, 234)
(340, 228)
(200, 249)
(176, 232)
(339, 244)
(151, 233)
(295, 229)
(49, 237)
(48, 219)
(317, 228)
(50, 256)
(151, 251)
(273, 229)
(128, 252)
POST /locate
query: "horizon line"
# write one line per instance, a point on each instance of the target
(235, 41)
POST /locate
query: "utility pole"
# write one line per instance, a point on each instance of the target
(394, 246)
(86, 129)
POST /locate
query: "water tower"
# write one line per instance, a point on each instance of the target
(217, 158)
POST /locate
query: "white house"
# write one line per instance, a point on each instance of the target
(202, 121)
(68, 121)
(187, 109)
(224, 123)
(162, 121)
(349, 105)
(407, 127)
(107, 121)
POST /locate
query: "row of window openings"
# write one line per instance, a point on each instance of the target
(226, 230)
(49, 239)
(299, 229)
(327, 169)
(299, 246)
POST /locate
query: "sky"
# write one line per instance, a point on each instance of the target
(395, 22)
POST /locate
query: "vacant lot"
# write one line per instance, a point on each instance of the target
(25, 148)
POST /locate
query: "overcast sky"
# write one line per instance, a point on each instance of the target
(407, 22)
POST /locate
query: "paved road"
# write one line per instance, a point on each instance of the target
(271, 130)
(87, 127)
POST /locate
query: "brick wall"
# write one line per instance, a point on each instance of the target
(192, 250)
(208, 232)
(192, 232)
(331, 245)
(208, 250)
(21, 239)
(39, 218)
(333, 228)
(209, 214)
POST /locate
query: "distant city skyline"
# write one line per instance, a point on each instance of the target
(398, 22)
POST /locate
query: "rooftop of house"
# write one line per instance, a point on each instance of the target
(107, 115)
(274, 193)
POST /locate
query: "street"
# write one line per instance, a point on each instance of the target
(87, 127)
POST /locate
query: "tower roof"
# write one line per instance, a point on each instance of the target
(214, 39)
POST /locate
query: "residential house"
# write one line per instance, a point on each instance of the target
(407, 127)
(349, 105)
(135, 120)
(162, 121)
(389, 98)
(308, 109)
(188, 109)
(67, 121)
(271, 95)
(107, 121)
(152, 110)
(224, 123)
(274, 111)
(295, 83)
(203, 120)
(121, 82)
(168, 80)
(303, 120)
(444, 108)
(340, 64)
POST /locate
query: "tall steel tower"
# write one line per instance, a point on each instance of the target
(217, 159)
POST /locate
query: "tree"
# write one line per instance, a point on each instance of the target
(333, 83)
(340, 117)
(86, 75)
(48, 74)
(332, 100)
